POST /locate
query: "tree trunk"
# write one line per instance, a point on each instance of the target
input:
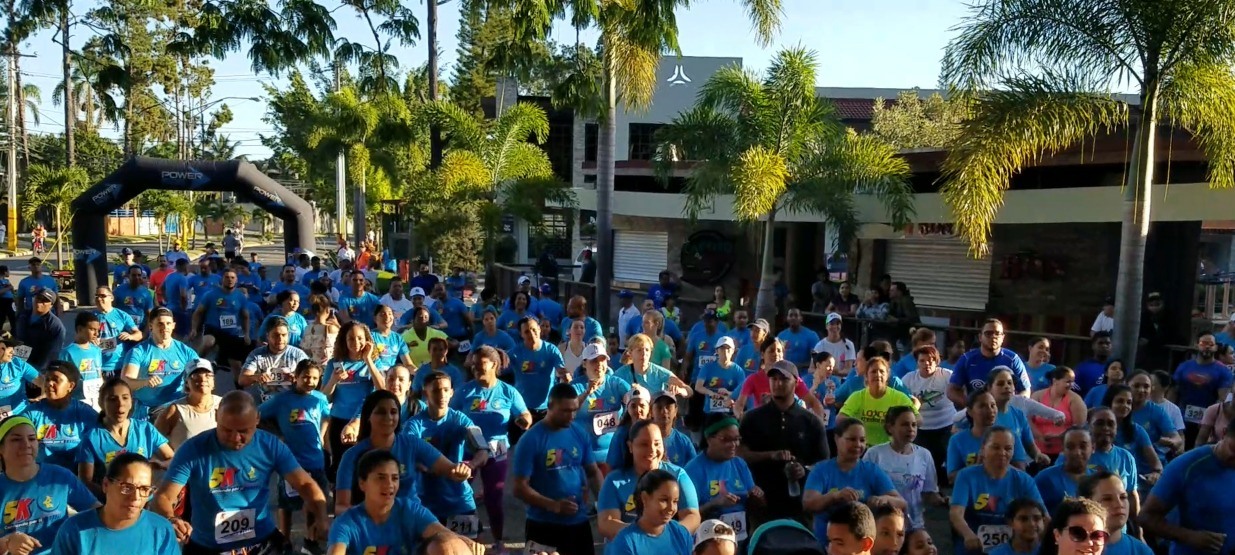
(20, 95)
(765, 299)
(604, 196)
(59, 240)
(1138, 194)
(435, 131)
(70, 109)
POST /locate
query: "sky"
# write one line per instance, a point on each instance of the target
(886, 44)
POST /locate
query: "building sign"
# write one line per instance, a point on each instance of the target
(508, 224)
(707, 257)
(930, 230)
(679, 76)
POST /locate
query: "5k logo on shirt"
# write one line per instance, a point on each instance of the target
(17, 511)
(377, 550)
(986, 502)
(556, 458)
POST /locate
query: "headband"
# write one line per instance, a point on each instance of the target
(720, 425)
(12, 422)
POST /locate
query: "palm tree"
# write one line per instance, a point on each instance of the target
(777, 147)
(93, 101)
(493, 166)
(1043, 77)
(633, 35)
(54, 189)
(220, 147)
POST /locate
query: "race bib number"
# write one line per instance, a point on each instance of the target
(467, 526)
(1192, 413)
(719, 404)
(5, 411)
(498, 449)
(228, 321)
(737, 521)
(234, 526)
(706, 360)
(465, 346)
(993, 536)
(22, 351)
(90, 389)
(605, 423)
(108, 345)
(534, 548)
(289, 490)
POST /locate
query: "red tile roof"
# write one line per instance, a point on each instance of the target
(857, 108)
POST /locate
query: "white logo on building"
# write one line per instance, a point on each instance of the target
(679, 76)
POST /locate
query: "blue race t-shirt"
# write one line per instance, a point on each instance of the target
(389, 349)
(986, 500)
(1157, 423)
(454, 313)
(223, 310)
(60, 430)
(1197, 486)
(715, 478)
(552, 311)
(136, 302)
(85, 534)
(591, 328)
(963, 449)
(714, 377)
(88, 361)
(300, 419)
(30, 286)
(359, 309)
(554, 462)
(411, 451)
(14, 375)
(169, 363)
(1127, 545)
(1054, 484)
(230, 489)
(203, 284)
(702, 346)
(350, 392)
(973, 368)
(445, 497)
(1039, 378)
(508, 322)
(175, 284)
(5, 282)
(798, 344)
(600, 412)
(99, 447)
(39, 506)
(865, 477)
(632, 540)
(618, 491)
(113, 323)
(1197, 386)
(492, 409)
(401, 533)
(500, 340)
(535, 372)
(656, 379)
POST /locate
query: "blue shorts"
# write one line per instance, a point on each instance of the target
(295, 503)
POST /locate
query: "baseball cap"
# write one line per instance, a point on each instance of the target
(625, 294)
(637, 392)
(594, 351)
(35, 261)
(126, 251)
(202, 365)
(665, 394)
(709, 315)
(46, 295)
(832, 317)
(761, 324)
(726, 341)
(786, 368)
(545, 288)
(416, 292)
(1155, 296)
(714, 530)
(524, 280)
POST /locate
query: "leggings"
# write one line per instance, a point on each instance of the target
(493, 476)
(334, 432)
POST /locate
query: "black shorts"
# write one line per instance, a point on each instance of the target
(231, 347)
(295, 503)
(229, 254)
(269, 545)
(574, 539)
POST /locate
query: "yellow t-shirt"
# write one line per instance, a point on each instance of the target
(871, 411)
(418, 347)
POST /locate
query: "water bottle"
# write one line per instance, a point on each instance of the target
(795, 489)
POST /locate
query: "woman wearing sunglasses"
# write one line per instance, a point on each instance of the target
(1078, 527)
(122, 520)
(1108, 490)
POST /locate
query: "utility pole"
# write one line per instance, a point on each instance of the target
(11, 169)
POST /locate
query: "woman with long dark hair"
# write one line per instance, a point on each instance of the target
(646, 451)
(1113, 374)
(353, 375)
(115, 433)
(655, 529)
(1131, 436)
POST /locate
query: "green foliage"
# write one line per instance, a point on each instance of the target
(97, 155)
(913, 122)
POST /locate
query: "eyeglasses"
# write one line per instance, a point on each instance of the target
(991, 333)
(142, 491)
(1079, 534)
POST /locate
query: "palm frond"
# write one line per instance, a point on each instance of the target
(760, 177)
(1201, 99)
(633, 66)
(764, 16)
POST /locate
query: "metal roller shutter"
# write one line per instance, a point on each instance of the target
(640, 255)
(940, 273)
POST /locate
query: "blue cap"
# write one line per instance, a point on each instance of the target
(624, 294)
(545, 288)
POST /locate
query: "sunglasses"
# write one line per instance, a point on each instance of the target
(1079, 534)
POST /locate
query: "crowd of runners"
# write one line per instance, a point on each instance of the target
(395, 416)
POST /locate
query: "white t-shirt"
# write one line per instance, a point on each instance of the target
(912, 475)
(937, 411)
(300, 272)
(1172, 410)
(1102, 323)
(398, 307)
(842, 351)
(346, 253)
(625, 315)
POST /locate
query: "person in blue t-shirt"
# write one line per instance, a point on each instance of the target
(1061, 480)
(177, 291)
(357, 304)
(576, 309)
(536, 365)
(664, 288)
(223, 314)
(353, 375)
(846, 478)
(287, 306)
(117, 432)
(979, 491)
(1026, 526)
(722, 479)
(36, 497)
(297, 415)
(287, 282)
(438, 351)
(61, 421)
(1109, 491)
(8, 310)
(489, 333)
(228, 472)
(84, 355)
(120, 524)
(552, 310)
(32, 284)
(553, 464)
(384, 522)
(388, 343)
(654, 530)
(600, 399)
(1194, 490)
(1162, 431)
(616, 504)
(718, 379)
(453, 312)
(134, 297)
(128, 259)
(798, 339)
(974, 366)
(117, 332)
(519, 309)
(701, 344)
(1200, 382)
(679, 449)
(457, 437)
(156, 367)
(15, 375)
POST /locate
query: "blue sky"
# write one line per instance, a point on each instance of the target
(890, 43)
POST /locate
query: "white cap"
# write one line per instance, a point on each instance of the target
(726, 341)
(833, 317)
(202, 364)
(714, 530)
(524, 280)
(637, 392)
(594, 351)
(417, 292)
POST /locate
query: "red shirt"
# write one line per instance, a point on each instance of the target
(156, 282)
(759, 389)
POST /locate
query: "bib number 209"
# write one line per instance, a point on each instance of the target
(232, 526)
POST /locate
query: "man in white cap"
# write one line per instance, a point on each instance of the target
(715, 538)
(418, 300)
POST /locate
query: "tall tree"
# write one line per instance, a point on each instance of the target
(633, 35)
(778, 148)
(54, 189)
(1042, 75)
(914, 122)
(59, 14)
(389, 23)
(95, 104)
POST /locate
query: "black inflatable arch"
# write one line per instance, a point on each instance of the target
(142, 174)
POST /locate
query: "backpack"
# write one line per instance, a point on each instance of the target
(784, 537)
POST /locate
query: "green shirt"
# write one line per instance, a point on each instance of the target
(662, 354)
(871, 411)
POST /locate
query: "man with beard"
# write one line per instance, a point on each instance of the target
(1200, 382)
(974, 366)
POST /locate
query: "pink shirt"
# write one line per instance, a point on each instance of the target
(759, 390)
(1213, 417)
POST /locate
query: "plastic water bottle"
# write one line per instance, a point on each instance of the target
(795, 489)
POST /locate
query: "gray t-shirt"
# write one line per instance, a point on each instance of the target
(262, 361)
(231, 243)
